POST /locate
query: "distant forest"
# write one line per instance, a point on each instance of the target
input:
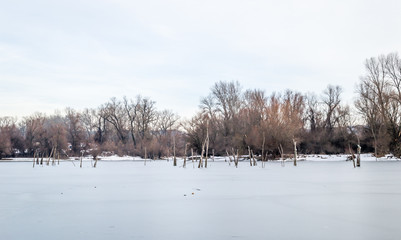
(229, 119)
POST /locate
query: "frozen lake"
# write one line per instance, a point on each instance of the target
(127, 200)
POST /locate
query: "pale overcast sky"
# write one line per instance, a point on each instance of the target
(55, 54)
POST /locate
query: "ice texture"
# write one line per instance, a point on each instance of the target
(127, 200)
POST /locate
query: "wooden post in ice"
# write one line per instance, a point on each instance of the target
(34, 155)
(236, 164)
(250, 157)
(352, 155)
(54, 155)
(192, 152)
(263, 150)
(146, 157)
(281, 151)
(175, 159)
(94, 165)
(295, 152)
(168, 154)
(80, 164)
(185, 156)
(48, 161)
(254, 159)
(236, 157)
(229, 158)
(358, 158)
(201, 157)
(207, 143)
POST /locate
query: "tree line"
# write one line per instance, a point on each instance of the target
(231, 119)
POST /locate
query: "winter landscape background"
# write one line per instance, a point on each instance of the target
(172, 119)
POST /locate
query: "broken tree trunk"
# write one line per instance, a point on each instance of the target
(375, 142)
(229, 158)
(236, 163)
(352, 155)
(146, 157)
(192, 153)
(255, 163)
(207, 143)
(263, 150)
(175, 159)
(201, 157)
(34, 155)
(80, 164)
(185, 156)
(295, 152)
(48, 161)
(54, 155)
(281, 151)
(94, 165)
(358, 158)
(168, 154)
(266, 158)
(250, 157)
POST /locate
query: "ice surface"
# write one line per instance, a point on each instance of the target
(127, 200)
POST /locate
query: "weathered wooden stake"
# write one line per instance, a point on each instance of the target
(229, 158)
(168, 155)
(185, 156)
(254, 159)
(280, 149)
(192, 152)
(236, 163)
(207, 143)
(358, 158)
(201, 157)
(352, 155)
(80, 164)
(146, 157)
(175, 159)
(295, 152)
(48, 160)
(263, 150)
(54, 155)
(94, 165)
(34, 155)
(250, 157)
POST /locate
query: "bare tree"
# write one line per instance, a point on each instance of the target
(331, 99)
(378, 100)
(228, 98)
(146, 117)
(75, 130)
(5, 138)
(131, 109)
(116, 116)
